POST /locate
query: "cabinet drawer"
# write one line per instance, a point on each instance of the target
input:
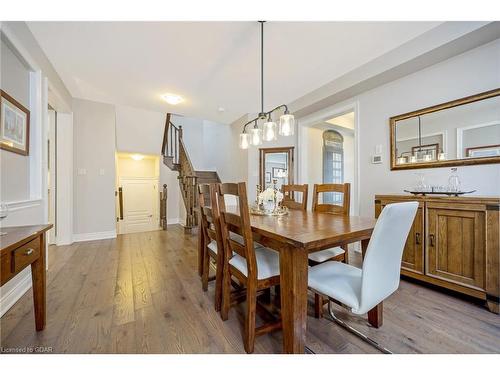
(25, 255)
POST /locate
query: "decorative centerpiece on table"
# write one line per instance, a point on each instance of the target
(269, 201)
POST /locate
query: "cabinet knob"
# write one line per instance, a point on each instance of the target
(431, 238)
(417, 238)
(28, 251)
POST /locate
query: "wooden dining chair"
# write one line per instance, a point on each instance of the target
(256, 268)
(213, 247)
(338, 253)
(290, 196)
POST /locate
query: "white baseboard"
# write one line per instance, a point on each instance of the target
(173, 221)
(9, 299)
(79, 237)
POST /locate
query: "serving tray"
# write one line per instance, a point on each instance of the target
(282, 211)
(448, 193)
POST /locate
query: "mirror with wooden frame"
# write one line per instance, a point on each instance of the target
(276, 164)
(461, 132)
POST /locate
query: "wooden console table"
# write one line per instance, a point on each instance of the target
(453, 243)
(21, 247)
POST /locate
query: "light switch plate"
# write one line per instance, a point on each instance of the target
(378, 149)
(101, 172)
(82, 171)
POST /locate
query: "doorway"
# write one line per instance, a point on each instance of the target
(52, 174)
(138, 196)
(329, 146)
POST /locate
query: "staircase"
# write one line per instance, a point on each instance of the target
(176, 158)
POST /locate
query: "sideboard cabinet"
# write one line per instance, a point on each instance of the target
(453, 243)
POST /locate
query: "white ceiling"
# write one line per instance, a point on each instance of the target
(346, 120)
(211, 64)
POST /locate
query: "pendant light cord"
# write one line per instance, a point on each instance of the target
(262, 66)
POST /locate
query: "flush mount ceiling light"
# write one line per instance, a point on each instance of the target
(173, 99)
(268, 133)
(137, 157)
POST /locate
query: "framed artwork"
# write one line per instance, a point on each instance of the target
(482, 151)
(268, 177)
(279, 172)
(14, 125)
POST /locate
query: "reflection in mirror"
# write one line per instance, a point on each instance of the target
(461, 132)
(276, 167)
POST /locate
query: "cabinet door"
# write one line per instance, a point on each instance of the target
(455, 245)
(413, 253)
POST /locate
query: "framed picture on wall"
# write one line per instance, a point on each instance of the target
(14, 125)
(483, 151)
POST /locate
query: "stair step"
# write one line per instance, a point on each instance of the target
(169, 162)
(206, 177)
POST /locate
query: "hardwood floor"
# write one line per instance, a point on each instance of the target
(141, 293)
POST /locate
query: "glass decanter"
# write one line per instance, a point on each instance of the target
(454, 184)
(4, 211)
(420, 186)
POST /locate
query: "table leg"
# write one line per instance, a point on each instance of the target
(201, 247)
(375, 316)
(364, 246)
(38, 276)
(293, 271)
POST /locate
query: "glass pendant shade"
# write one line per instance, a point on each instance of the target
(256, 136)
(269, 131)
(244, 140)
(287, 125)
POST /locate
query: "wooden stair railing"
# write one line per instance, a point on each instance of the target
(176, 157)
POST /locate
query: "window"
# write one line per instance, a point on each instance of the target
(333, 163)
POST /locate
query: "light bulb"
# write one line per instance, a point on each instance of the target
(287, 124)
(137, 157)
(256, 136)
(413, 159)
(442, 156)
(402, 160)
(244, 140)
(269, 132)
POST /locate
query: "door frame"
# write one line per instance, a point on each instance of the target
(323, 115)
(156, 205)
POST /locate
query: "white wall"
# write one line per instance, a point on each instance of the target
(44, 83)
(94, 168)
(472, 72)
(15, 81)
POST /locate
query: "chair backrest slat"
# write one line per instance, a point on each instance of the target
(290, 199)
(343, 209)
(238, 219)
(209, 215)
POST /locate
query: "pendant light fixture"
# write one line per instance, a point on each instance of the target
(269, 127)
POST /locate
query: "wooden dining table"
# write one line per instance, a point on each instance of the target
(294, 236)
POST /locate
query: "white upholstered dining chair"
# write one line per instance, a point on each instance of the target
(362, 290)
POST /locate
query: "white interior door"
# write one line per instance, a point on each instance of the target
(140, 212)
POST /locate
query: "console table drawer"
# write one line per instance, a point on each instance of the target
(25, 255)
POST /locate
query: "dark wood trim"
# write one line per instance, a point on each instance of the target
(435, 108)
(3, 146)
(291, 171)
